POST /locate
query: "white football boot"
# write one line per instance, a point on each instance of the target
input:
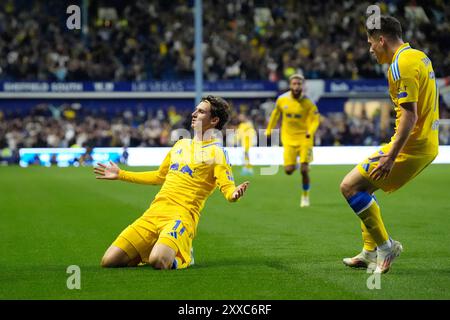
(365, 259)
(386, 257)
(304, 202)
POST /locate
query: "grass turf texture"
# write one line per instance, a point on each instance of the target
(264, 247)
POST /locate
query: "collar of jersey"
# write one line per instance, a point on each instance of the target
(203, 142)
(401, 48)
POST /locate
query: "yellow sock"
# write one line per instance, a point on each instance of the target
(369, 243)
(247, 160)
(306, 188)
(368, 211)
(371, 217)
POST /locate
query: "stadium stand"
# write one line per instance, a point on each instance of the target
(260, 39)
(153, 40)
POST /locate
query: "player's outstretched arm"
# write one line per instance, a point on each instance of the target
(113, 172)
(240, 190)
(110, 172)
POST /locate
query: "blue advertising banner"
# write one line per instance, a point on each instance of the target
(147, 86)
(65, 157)
(356, 86)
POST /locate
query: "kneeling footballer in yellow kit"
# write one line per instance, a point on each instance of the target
(162, 236)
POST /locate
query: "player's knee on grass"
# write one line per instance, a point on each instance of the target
(161, 257)
(160, 262)
(289, 169)
(115, 257)
(108, 262)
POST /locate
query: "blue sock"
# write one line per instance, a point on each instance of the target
(360, 201)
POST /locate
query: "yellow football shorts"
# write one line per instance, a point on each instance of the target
(304, 150)
(139, 238)
(406, 167)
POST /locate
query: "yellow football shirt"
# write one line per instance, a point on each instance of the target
(411, 79)
(299, 116)
(189, 174)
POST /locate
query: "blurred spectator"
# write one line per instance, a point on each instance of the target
(86, 158)
(124, 156)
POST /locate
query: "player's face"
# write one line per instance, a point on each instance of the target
(296, 87)
(201, 117)
(377, 49)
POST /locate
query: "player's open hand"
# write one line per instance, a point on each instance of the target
(384, 167)
(110, 172)
(239, 191)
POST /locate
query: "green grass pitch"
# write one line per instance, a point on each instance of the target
(264, 247)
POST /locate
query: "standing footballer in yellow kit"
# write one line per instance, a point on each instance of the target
(246, 135)
(414, 145)
(300, 120)
(191, 171)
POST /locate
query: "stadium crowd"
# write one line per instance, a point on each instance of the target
(153, 40)
(243, 39)
(71, 125)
